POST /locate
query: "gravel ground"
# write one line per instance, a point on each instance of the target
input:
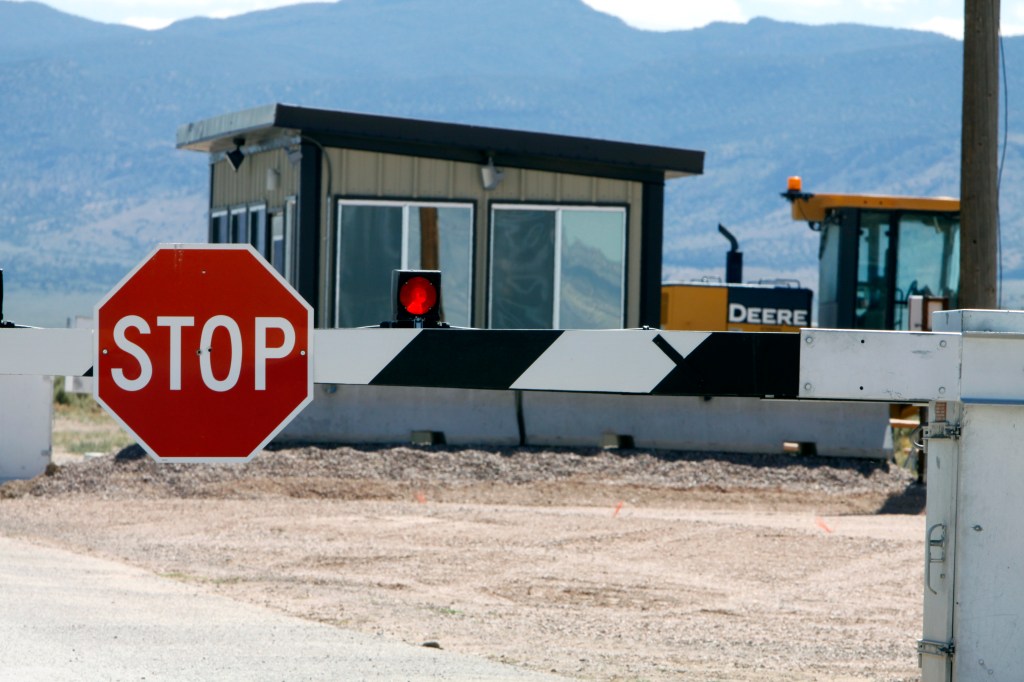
(506, 475)
(604, 565)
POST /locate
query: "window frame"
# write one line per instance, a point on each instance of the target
(290, 209)
(406, 204)
(252, 216)
(247, 217)
(220, 214)
(233, 214)
(558, 208)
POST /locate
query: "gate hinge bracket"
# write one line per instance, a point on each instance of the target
(943, 430)
(933, 648)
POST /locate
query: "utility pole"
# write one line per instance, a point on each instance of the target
(979, 198)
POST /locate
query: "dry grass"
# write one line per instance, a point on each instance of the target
(81, 426)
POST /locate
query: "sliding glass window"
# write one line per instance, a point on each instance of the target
(270, 231)
(258, 230)
(282, 242)
(247, 225)
(375, 237)
(557, 267)
(219, 233)
(239, 226)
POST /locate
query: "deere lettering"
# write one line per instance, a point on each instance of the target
(740, 313)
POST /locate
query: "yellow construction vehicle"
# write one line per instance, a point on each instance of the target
(885, 262)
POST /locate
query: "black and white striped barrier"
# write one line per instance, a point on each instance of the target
(614, 361)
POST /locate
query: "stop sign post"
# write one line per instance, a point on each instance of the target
(202, 353)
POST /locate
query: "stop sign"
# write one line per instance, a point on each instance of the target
(202, 353)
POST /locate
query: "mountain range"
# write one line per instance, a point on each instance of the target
(92, 181)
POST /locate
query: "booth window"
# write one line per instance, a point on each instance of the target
(258, 230)
(219, 228)
(282, 239)
(375, 237)
(242, 225)
(271, 233)
(239, 226)
(557, 267)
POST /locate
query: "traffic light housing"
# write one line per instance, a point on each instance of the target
(416, 298)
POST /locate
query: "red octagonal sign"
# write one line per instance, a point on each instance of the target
(202, 353)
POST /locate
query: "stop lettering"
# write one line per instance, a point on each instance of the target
(261, 353)
(202, 353)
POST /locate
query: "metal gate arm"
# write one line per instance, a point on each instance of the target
(54, 352)
(884, 366)
(633, 361)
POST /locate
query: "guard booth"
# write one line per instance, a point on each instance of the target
(530, 230)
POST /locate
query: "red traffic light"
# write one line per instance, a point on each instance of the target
(417, 296)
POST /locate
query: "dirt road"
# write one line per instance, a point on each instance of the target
(595, 565)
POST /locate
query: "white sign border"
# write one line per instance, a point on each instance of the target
(163, 459)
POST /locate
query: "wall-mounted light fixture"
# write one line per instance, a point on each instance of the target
(235, 157)
(294, 155)
(490, 176)
(273, 179)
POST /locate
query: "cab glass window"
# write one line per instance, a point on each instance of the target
(872, 292)
(928, 263)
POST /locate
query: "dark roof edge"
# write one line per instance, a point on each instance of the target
(201, 134)
(443, 140)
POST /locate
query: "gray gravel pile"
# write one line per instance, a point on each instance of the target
(346, 472)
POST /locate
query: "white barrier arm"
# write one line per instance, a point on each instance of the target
(27, 350)
(882, 366)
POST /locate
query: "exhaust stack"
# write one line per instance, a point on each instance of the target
(733, 258)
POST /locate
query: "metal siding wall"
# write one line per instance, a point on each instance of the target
(356, 173)
(577, 186)
(288, 184)
(222, 188)
(248, 185)
(398, 175)
(539, 186)
(615, 191)
(465, 183)
(434, 178)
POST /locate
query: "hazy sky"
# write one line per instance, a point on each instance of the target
(943, 16)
